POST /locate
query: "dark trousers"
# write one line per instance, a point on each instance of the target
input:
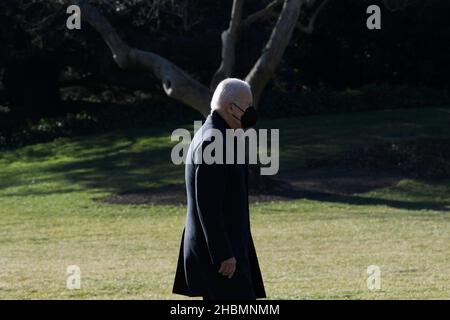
(236, 295)
(239, 287)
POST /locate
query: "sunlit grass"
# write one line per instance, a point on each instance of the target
(307, 249)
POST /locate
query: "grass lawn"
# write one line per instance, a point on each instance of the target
(308, 249)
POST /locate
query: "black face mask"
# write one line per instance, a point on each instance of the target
(249, 118)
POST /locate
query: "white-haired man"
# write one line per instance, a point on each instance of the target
(217, 258)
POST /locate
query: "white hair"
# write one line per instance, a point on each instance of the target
(229, 90)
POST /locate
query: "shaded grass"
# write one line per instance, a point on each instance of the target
(323, 138)
(307, 248)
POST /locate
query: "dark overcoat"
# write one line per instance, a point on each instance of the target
(217, 226)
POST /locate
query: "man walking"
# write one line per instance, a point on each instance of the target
(217, 258)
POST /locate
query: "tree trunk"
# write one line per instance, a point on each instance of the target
(229, 40)
(176, 83)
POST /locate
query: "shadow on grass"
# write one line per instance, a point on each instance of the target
(122, 171)
(123, 162)
(350, 185)
(114, 163)
(366, 201)
(147, 176)
(176, 195)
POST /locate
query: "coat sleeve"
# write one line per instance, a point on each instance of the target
(210, 183)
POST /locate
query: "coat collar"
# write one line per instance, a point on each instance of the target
(218, 121)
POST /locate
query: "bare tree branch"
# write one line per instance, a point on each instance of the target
(262, 14)
(309, 28)
(177, 84)
(270, 58)
(397, 5)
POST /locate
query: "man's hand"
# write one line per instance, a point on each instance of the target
(228, 267)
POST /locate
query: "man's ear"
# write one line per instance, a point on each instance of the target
(230, 108)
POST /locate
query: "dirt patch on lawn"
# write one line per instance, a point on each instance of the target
(427, 158)
(171, 194)
(363, 169)
(308, 183)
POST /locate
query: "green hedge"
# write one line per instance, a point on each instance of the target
(163, 111)
(278, 104)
